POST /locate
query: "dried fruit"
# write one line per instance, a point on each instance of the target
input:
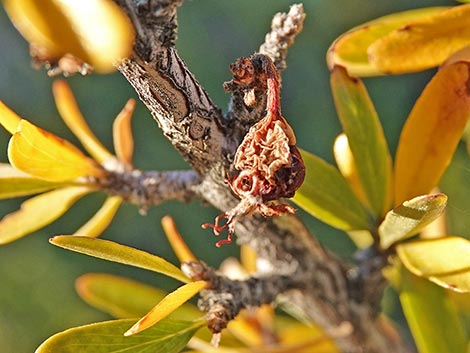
(269, 163)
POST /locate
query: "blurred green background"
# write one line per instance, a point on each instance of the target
(37, 296)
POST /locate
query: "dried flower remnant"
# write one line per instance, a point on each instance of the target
(268, 162)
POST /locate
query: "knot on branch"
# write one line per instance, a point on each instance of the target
(224, 298)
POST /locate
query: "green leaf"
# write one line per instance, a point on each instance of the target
(14, 183)
(111, 251)
(410, 217)
(125, 298)
(168, 336)
(167, 305)
(39, 211)
(433, 319)
(444, 261)
(366, 139)
(326, 195)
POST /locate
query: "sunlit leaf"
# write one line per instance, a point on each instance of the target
(422, 43)
(179, 246)
(39, 211)
(14, 183)
(126, 298)
(169, 336)
(445, 261)
(70, 113)
(410, 217)
(101, 219)
(350, 50)
(167, 305)
(8, 118)
(97, 32)
(431, 316)
(347, 165)
(366, 139)
(111, 251)
(326, 195)
(122, 133)
(46, 156)
(431, 132)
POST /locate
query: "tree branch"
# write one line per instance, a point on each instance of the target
(328, 294)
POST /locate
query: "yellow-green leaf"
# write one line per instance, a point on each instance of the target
(169, 336)
(14, 183)
(8, 118)
(432, 131)
(70, 113)
(422, 43)
(366, 139)
(444, 261)
(350, 49)
(410, 217)
(46, 156)
(97, 32)
(431, 316)
(125, 298)
(39, 211)
(111, 251)
(167, 305)
(326, 195)
(101, 219)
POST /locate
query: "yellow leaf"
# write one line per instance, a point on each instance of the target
(431, 132)
(46, 156)
(37, 212)
(166, 306)
(97, 32)
(179, 246)
(101, 219)
(423, 43)
(350, 49)
(122, 133)
(8, 118)
(70, 112)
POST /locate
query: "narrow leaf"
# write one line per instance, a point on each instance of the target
(14, 183)
(432, 317)
(167, 305)
(326, 195)
(111, 251)
(350, 49)
(101, 219)
(179, 246)
(432, 132)
(410, 217)
(70, 112)
(444, 261)
(169, 336)
(39, 211)
(423, 43)
(122, 133)
(8, 118)
(46, 156)
(366, 139)
(125, 298)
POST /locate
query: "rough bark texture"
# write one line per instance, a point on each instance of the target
(328, 291)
